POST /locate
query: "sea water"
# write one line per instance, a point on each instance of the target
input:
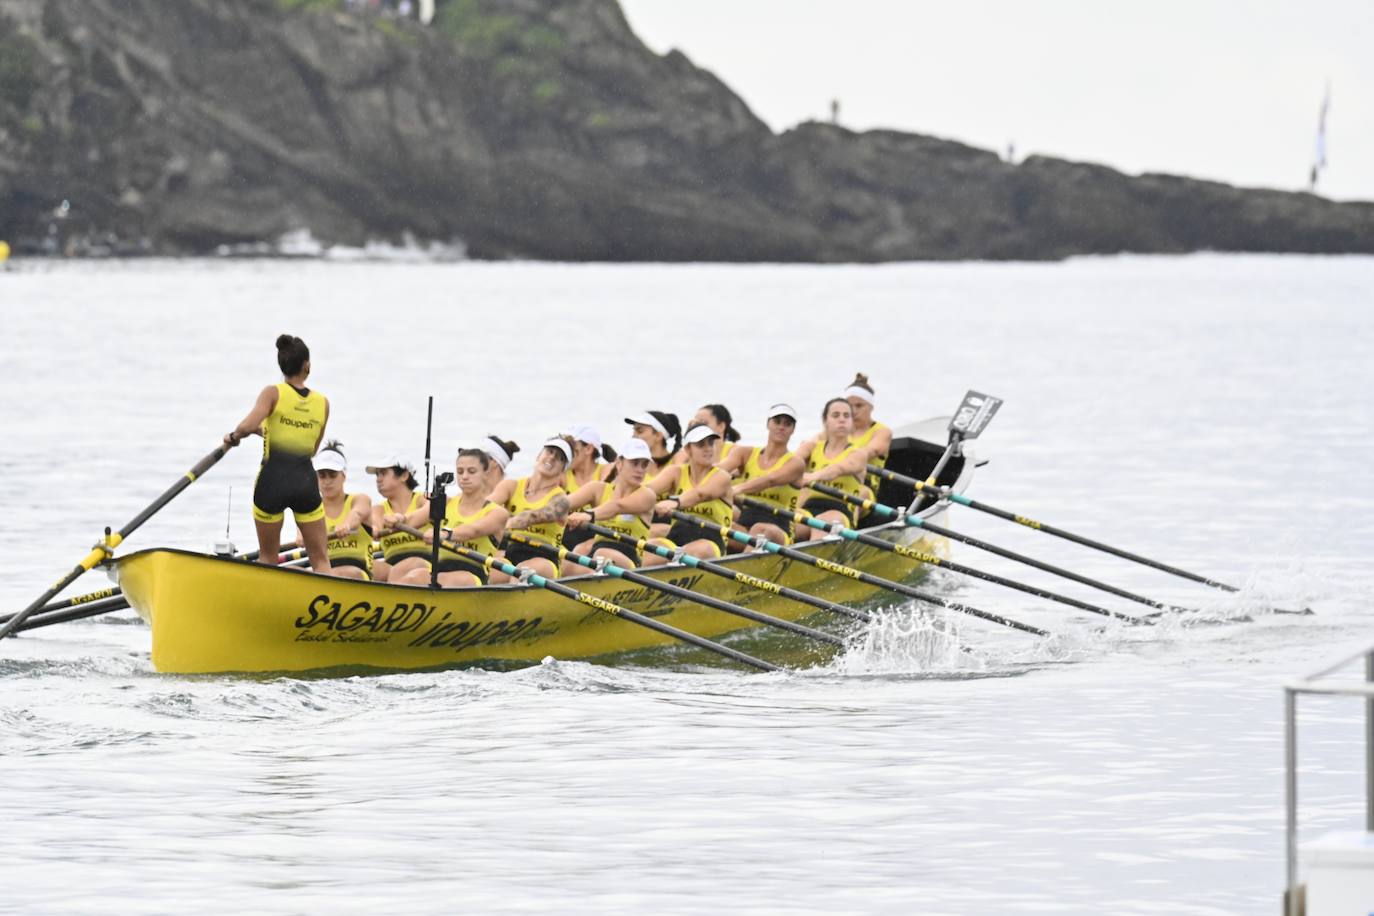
(1211, 411)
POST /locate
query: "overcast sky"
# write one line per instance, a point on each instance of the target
(1216, 89)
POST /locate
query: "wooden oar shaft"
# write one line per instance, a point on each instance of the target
(601, 604)
(732, 574)
(1034, 525)
(923, 557)
(686, 594)
(859, 575)
(105, 548)
(1050, 568)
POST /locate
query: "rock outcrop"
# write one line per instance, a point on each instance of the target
(523, 128)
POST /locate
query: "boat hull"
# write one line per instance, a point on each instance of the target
(214, 614)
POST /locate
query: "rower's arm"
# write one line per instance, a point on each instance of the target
(880, 444)
(790, 473)
(855, 464)
(555, 511)
(715, 486)
(490, 524)
(663, 481)
(251, 425)
(735, 461)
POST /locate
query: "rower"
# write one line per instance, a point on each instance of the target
(585, 469)
(657, 428)
(291, 420)
(868, 433)
(501, 453)
(538, 507)
(771, 473)
(347, 516)
(699, 488)
(402, 553)
(832, 458)
(716, 416)
(623, 505)
(472, 521)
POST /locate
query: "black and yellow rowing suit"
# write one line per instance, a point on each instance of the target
(449, 561)
(286, 478)
(550, 533)
(848, 483)
(354, 550)
(636, 526)
(398, 545)
(717, 511)
(875, 460)
(783, 496)
(574, 536)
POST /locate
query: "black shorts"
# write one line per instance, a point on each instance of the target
(574, 536)
(287, 482)
(683, 533)
(818, 504)
(626, 550)
(409, 554)
(750, 516)
(355, 563)
(467, 566)
(517, 553)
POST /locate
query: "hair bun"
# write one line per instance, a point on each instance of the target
(284, 341)
(860, 379)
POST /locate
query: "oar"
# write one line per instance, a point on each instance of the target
(921, 556)
(1034, 525)
(742, 578)
(855, 574)
(667, 588)
(918, 522)
(105, 548)
(974, 414)
(600, 604)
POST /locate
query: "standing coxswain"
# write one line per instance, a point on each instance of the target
(291, 420)
(538, 507)
(769, 472)
(833, 458)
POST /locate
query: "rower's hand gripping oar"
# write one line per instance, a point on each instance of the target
(678, 591)
(920, 556)
(104, 549)
(600, 604)
(961, 499)
(855, 574)
(734, 575)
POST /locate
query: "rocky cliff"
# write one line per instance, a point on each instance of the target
(531, 128)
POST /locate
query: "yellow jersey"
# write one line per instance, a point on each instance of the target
(293, 427)
(548, 532)
(485, 544)
(876, 460)
(636, 526)
(783, 495)
(848, 482)
(357, 546)
(400, 544)
(716, 510)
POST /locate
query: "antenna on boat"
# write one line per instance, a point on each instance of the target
(429, 429)
(225, 548)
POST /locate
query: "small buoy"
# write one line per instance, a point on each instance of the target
(4, 251)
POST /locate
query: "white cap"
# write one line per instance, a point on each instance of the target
(698, 434)
(782, 410)
(495, 451)
(635, 448)
(561, 446)
(587, 434)
(327, 459)
(649, 420)
(863, 394)
(393, 460)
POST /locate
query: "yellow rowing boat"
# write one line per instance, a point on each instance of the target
(218, 614)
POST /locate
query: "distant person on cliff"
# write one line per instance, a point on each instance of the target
(291, 420)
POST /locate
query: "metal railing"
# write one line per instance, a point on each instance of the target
(1314, 684)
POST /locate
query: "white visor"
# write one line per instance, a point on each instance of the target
(329, 460)
(782, 410)
(699, 434)
(497, 453)
(391, 461)
(649, 420)
(635, 448)
(562, 447)
(587, 434)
